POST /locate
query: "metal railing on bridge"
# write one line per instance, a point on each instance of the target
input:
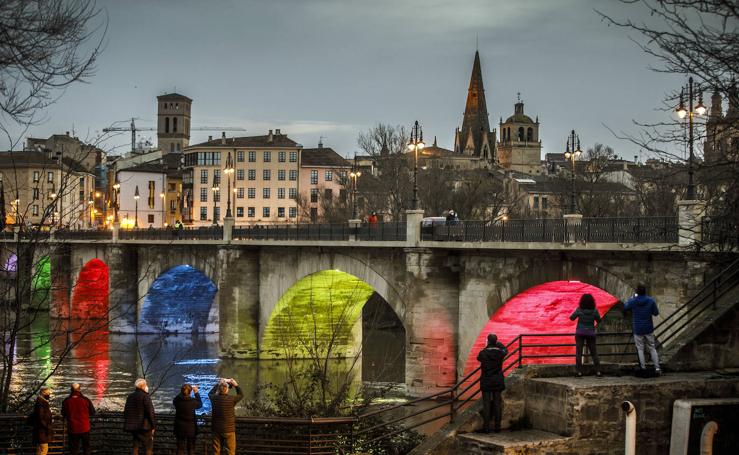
(202, 233)
(335, 232)
(87, 234)
(604, 230)
(722, 232)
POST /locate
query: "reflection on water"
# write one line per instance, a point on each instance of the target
(107, 364)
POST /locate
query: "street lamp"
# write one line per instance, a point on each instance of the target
(116, 189)
(416, 143)
(90, 202)
(228, 171)
(354, 174)
(700, 110)
(136, 198)
(572, 153)
(161, 196)
(215, 189)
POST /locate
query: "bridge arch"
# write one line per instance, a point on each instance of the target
(91, 291)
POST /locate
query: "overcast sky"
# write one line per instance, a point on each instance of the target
(334, 68)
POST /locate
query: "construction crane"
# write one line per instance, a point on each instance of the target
(133, 129)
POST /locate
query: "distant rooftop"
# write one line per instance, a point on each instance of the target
(324, 157)
(268, 140)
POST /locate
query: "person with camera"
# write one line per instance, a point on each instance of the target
(223, 421)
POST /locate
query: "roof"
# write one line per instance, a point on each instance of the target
(26, 159)
(519, 118)
(169, 163)
(323, 156)
(278, 140)
(173, 96)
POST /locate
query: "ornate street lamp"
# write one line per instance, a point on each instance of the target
(700, 110)
(572, 153)
(416, 144)
(354, 174)
(215, 189)
(136, 199)
(90, 203)
(228, 171)
(116, 189)
(162, 196)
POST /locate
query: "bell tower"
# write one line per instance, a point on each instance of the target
(173, 122)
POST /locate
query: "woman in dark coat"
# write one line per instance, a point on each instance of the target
(586, 315)
(185, 422)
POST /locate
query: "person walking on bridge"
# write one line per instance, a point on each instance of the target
(492, 382)
(223, 421)
(77, 410)
(587, 315)
(643, 308)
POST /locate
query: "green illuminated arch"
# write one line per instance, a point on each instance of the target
(317, 317)
(41, 281)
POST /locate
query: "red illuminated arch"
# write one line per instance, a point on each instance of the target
(90, 297)
(545, 308)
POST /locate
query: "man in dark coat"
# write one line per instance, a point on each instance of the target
(223, 423)
(40, 419)
(643, 308)
(185, 422)
(139, 418)
(492, 382)
(77, 410)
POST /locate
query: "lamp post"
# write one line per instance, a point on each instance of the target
(116, 189)
(228, 171)
(415, 143)
(215, 189)
(161, 196)
(700, 109)
(136, 199)
(572, 153)
(90, 203)
(354, 174)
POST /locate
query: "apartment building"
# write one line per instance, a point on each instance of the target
(323, 182)
(264, 182)
(40, 190)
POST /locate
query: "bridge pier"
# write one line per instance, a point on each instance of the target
(238, 302)
(123, 297)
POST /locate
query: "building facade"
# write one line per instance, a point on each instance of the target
(475, 139)
(264, 184)
(324, 184)
(519, 148)
(173, 122)
(722, 131)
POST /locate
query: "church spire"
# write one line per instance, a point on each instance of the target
(475, 121)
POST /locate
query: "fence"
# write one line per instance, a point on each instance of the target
(203, 233)
(90, 234)
(336, 232)
(723, 232)
(605, 230)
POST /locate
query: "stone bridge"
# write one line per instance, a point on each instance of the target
(443, 293)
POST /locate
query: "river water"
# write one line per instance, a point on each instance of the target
(107, 364)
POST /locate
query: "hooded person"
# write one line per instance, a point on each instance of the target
(492, 382)
(643, 308)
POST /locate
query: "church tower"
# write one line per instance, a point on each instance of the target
(475, 138)
(519, 148)
(173, 122)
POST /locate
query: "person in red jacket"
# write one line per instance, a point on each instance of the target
(77, 410)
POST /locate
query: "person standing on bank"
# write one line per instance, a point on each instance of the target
(643, 308)
(492, 382)
(223, 421)
(77, 410)
(139, 418)
(185, 421)
(41, 420)
(586, 315)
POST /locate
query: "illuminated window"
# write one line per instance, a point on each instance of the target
(50, 177)
(36, 176)
(34, 210)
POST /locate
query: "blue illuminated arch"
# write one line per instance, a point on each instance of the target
(179, 301)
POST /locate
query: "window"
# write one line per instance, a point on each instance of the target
(313, 215)
(239, 174)
(293, 193)
(174, 124)
(240, 158)
(252, 174)
(267, 157)
(216, 196)
(530, 134)
(280, 193)
(520, 134)
(536, 202)
(204, 176)
(239, 212)
(293, 157)
(265, 193)
(166, 124)
(293, 175)
(252, 156)
(173, 206)
(314, 177)
(216, 176)
(293, 212)
(240, 193)
(203, 213)
(281, 157)
(544, 204)
(35, 194)
(314, 195)
(36, 176)
(329, 176)
(203, 194)
(250, 212)
(216, 213)
(265, 212)
(328, 194)
(280, 212)
(150, 218)
(34, 210)
(266, 174)
(252, 192)
(281, 174)
(50, 177)
(82, 195)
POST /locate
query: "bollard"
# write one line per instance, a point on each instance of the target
(630, 434)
